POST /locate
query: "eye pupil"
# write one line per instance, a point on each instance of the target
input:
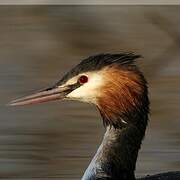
(83, 79)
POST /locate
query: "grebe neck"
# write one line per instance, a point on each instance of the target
(117, 154)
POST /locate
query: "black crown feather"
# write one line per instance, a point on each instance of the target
(99, 61)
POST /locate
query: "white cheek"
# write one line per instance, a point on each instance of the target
(89, 91)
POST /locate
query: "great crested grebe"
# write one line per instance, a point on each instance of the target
(114, 84)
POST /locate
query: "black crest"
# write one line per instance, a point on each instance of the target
(99, 61)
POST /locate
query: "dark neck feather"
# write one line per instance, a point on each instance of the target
(117, 155)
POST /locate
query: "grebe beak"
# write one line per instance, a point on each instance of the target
(49, 94)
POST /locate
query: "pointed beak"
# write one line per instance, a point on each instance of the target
(50, 94)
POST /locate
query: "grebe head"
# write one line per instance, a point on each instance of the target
(110, 81)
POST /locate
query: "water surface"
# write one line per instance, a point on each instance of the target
(38, 44)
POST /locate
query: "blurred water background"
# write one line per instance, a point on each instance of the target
(38, 44)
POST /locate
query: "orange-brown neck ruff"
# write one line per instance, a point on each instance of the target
(124, 96)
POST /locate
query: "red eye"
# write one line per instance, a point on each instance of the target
(83, 79)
